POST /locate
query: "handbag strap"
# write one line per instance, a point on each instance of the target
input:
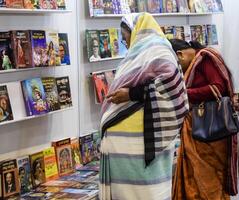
(215, 92)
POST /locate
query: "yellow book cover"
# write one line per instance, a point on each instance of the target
(51, 171)
(114, 42)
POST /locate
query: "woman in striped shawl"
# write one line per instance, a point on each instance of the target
(142, 116)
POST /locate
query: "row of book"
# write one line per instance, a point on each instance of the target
(103, 44)
(33, 4)
(33, 48)
(41, 95)
(54, 167)
(101, 7)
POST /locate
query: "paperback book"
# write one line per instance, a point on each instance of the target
(93, 45)
(105, 50)
(64, 53)
(86, 148)
(14, 4)
(114, 42)
(5, 105)
(53, 57)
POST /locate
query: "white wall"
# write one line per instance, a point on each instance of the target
(40, 132)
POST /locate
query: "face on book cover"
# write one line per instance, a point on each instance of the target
(10, 185)
(169, 6)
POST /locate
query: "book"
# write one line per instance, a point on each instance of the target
(109, 76)
(76, 156)
(170, 6)
(198, 6)
(187, 33)
(114, 42)
(124, 7)
(101, 86)
(209, 5)
(96, 7)
(191, 6)
(52, 40)
(86, 148)
(6, 52)
(61, 4)
(34, 97)
(96, 145)
(59, 183)
(179, 32)
(21, 45)
(37, 166)
(169, 32)
(51, 171)
(80, 176)
(122, 47)
(108, 7)
(212, 38)
(93, 45)
(153, 6)
(141, 4)
(64, 49)
(24, 172)
(64, 156)
(133, 6)
(217, 6)
(46, 4)
(14, 3)
(64, 92)
(92, 166)
(28, 4)
(50, 88)
(5, 105)
(10, 182)
(39, 48)
(2, 3)
(105, 50)
(198, 34)
(182, 6)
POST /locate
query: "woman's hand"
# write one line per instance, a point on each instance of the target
(119, 96)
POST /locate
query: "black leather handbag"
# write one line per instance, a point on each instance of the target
(214, 120)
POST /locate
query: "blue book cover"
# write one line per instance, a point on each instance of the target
(122, 48)
(64, 52)
(24, 171)
(39, 48)
(35, 97)
(212, 38)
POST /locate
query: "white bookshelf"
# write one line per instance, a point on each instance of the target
(159, 14)
(107, 59)
(35, 116)
(31, 11)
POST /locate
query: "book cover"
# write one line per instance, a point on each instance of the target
(119, 6)
(141, 4)
(64, 156)
(108, 7)
(182, 6)
(76, 156)
(122, 47)
(170, 6)
(212, 38)
(209, 5)
(105, 50)
(96, 7)
(114, 42)
(51, 171)
(48, 189)
(101, 86)
(204, 35)
(52, 40)
(191, 6)
(61, 4)
(2, 3)
(96, 145)
(179, 32)
(109, 76)
(133, 6)
(124, 6)
(187, 33)
(5, 105)
(198, 6)
(24, 172)
(21, 45)
(64, 92)
(197, 33)
(46, 4)
(115, 7)
(28, 4)
(169, 32)
(37, 166)
(64, 52)
(50, 88)
(217, 6)
(86, 148)
(93, 45)
(92, 166)
(14, 3)
(39, 48)
(153, 6)
(6, 52)
(10, 181)
(59, 183)
(34, 96)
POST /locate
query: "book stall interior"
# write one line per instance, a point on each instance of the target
(58, 59)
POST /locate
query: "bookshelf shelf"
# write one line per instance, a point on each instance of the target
(107, 59)
(159, 14)
(29, 11)
(35, 116)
